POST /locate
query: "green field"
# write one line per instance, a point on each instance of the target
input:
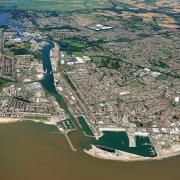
(4, 83)
(166, 51)
(136, 84)
(73, 47)
(36, 117)
(73, 44)
(105, 61)
(59, 5)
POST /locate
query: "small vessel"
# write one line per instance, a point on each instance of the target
(45, 72)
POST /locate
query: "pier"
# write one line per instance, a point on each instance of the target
(132, 139)
(70, 143)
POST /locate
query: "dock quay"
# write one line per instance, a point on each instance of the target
(132, 139)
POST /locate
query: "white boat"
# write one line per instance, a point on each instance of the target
(45, 72)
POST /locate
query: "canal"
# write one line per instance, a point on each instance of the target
(48, 80)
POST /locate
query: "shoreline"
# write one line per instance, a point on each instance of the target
(14, 120)
(9, 120)
(98, 153)
(125, 156)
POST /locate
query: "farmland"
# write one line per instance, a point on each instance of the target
(58, 5)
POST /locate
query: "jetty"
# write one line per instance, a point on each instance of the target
(69, 142)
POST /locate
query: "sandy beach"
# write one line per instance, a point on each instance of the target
(8, 120)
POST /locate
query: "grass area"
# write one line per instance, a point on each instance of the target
(20, 51)
(121, 4)
(120, 100)
(78, 53)
(70, 82)
(37, 54)
(103, 39)
(73, 46)
(136, 84)
(40, 118)
(4, 83)
(123, 39)
(166, 51)
(58, 5)
(25, 45)
(162, 77)
(22, 48)
(8, 44)
(158, 63)
(135, 23)
(8, 52)
(72, 43)
(78, 45)
(104, 61)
